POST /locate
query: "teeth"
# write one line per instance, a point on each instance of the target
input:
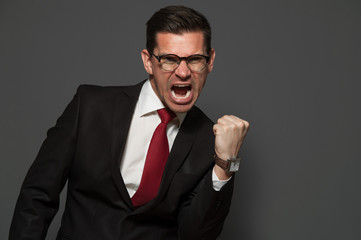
(181, 97)
(181, 85)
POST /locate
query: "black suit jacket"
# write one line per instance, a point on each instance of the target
(85, 148)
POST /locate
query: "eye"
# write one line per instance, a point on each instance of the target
(169, 59)
(196, 60)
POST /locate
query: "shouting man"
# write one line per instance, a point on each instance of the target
(141, 162)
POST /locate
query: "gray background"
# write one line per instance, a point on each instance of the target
(291, 68)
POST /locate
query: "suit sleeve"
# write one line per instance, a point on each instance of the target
(38, 201)
(203, 214)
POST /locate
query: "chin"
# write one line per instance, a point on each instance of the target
(180, 108)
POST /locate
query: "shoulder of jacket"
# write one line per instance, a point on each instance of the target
(97, 90)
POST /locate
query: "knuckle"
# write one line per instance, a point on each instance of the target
(241, 124)
(219, 121)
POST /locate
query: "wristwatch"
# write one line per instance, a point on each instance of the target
(230, 165)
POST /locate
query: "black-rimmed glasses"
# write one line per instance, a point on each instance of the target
(170, 62)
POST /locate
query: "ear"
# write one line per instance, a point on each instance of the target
(146, 57)
(211, 60)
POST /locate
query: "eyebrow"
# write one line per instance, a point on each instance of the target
(202, 54)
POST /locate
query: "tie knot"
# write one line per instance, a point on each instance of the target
(165, 115)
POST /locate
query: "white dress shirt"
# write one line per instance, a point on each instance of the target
(145, 120)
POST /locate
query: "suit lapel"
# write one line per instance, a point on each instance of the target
(181, 147)
(123, 112)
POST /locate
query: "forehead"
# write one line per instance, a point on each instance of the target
(183, 44)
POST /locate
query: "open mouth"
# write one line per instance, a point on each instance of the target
(181, 91)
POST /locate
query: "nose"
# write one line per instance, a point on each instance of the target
(182, 70)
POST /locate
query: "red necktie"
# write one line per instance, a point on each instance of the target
(155, 161)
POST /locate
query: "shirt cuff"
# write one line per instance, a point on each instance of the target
(218, 184)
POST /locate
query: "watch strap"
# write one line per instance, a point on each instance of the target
(220, 162)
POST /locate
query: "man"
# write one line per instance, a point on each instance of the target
(111, 145)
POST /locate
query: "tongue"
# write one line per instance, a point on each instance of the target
(180, 90)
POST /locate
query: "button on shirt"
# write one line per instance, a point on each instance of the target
(145, 120)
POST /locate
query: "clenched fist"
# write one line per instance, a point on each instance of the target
(229, 132)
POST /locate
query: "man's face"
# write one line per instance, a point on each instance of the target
(178, 89)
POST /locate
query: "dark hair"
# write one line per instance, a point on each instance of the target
(177, 20)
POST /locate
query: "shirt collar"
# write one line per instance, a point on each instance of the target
(149, 102)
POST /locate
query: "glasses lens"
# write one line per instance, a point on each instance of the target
(169, 62)
(197, 63)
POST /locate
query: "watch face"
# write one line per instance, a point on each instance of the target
(234, 166)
